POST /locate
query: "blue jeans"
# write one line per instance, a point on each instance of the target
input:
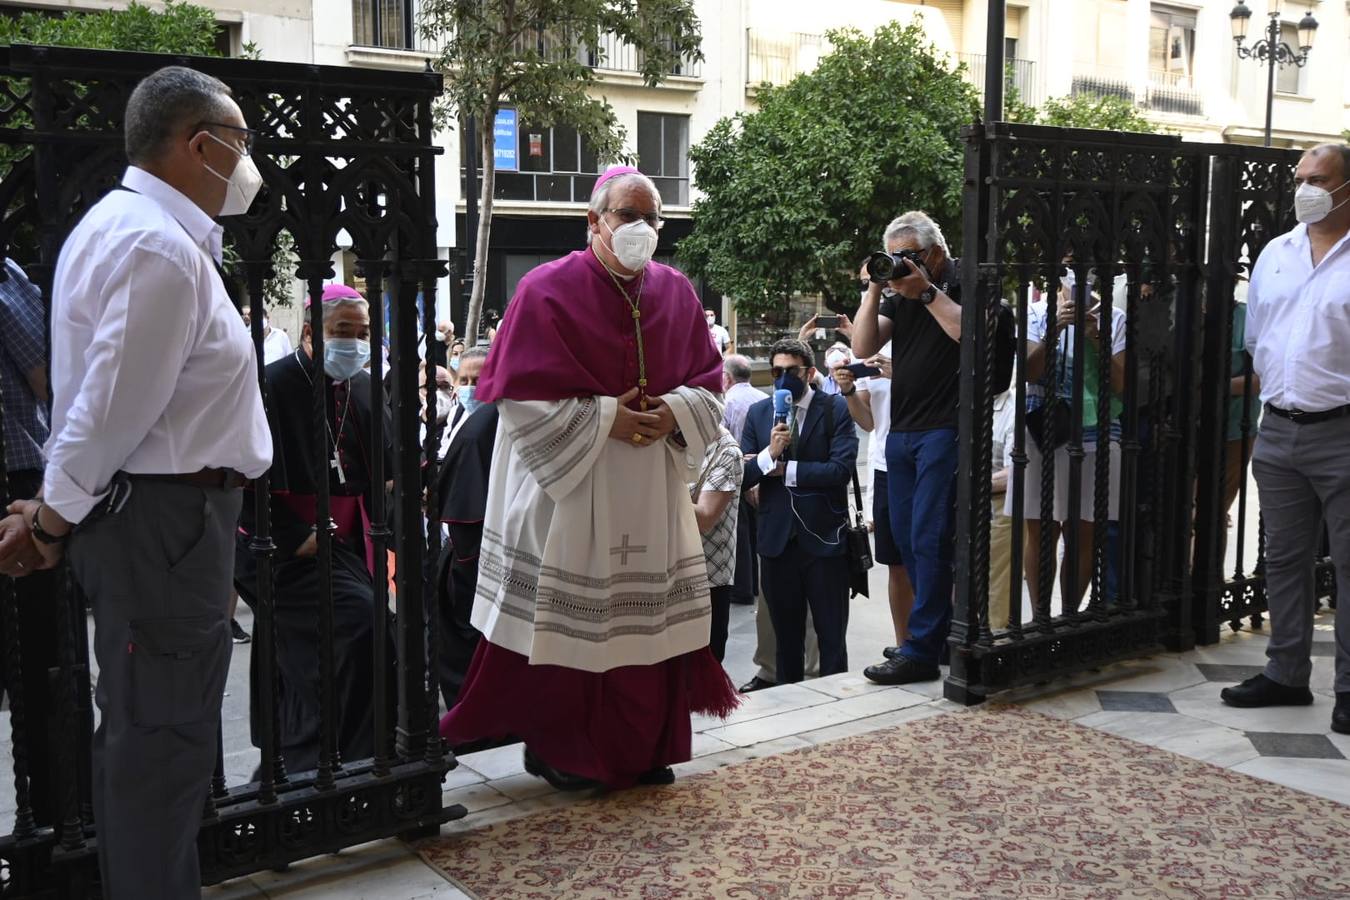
(921, 478)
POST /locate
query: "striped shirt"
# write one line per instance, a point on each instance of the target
(23, 347)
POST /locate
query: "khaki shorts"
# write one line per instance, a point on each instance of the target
(1031, 505)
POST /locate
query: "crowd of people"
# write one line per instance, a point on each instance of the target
(610, 482)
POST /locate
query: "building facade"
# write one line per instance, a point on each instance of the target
(1175, 61)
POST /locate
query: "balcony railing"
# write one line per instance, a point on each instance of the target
(1163, 92)
(1021, 76)
(779, 58)
(379, 23)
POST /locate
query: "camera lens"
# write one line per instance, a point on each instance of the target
(880, 267)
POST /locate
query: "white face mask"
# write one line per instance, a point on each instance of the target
(445, 402)
(1068, 279)
(1312, 204)
(632, 244)
(242, 185)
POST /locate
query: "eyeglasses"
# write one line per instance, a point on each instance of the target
(627, 215)
(778, 371)
(250, 136)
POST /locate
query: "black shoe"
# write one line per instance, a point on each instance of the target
(240, 635)
(1261, 691)
(892, 653)
(663, 775)
(756, 684)
(901, 671)
(563, 781)
(1340, 716)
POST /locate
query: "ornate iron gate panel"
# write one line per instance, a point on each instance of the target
(1158, 230)
(340, 150)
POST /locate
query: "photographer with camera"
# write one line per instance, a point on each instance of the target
(913, 300)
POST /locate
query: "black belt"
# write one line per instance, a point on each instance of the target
(220, 479)
(1299, 417)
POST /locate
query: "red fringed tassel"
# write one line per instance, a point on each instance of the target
(711, 692)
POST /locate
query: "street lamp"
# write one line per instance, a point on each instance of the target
(1270, 49)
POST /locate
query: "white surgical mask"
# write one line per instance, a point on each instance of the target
(1068, 279)
(632, 244)
(466, 393)
(836, 358)
(445, 403)
(344, 357)
(1312, 204)
(242, 185)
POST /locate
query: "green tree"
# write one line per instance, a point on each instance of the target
(798, 192)
(1107, 112)
(178, 28)
(532, 55)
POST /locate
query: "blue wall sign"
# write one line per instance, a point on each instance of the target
(504, 141)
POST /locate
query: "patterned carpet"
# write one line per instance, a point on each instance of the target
(998, 802)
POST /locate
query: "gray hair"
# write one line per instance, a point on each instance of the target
(474, 352)
(920, 226)
(166, 103)
(738, 367)
(331, 307)
(600, 196)
(1340, 150)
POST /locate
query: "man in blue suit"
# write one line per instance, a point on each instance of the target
(803, 468)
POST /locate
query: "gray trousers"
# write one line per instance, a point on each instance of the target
(1303, 475)
(158, 575)
(766, 643)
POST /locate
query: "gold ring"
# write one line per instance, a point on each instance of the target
(637, 438)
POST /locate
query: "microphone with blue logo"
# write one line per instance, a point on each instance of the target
(783, 410)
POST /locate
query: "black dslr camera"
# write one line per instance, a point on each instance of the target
(883, 267)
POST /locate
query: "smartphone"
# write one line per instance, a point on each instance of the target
(863, 370)
(827, 321)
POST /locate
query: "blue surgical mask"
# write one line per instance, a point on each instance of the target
(465, 393)
(791, 383)
(344, 357)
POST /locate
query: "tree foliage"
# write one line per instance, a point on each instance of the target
(179, 28)
(533, 55)
(798, 192)
(1107, 112)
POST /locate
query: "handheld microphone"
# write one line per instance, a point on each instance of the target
(782, 403)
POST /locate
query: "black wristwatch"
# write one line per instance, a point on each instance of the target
(41, 533)
(928, 294)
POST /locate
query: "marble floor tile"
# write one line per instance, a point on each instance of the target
(1328, 778)
(1202, 702)
(1157, 673)
(768, 702)
(404, 877)
(521, 787)
(711, 762)
(1135, 701)
(461, 776)
(330, 866)
(872, 723)
(755, 731)
(843, 685)
(1228, 674)
(705, 744)
(235, 889)
(497, 762)
(1294, 746)
(1069, 704)
(1193, 738)
(475, 797)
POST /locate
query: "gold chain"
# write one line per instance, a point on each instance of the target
(634, 305)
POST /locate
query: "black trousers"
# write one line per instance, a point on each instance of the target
(36, 598)
(745, 588)
(792, 583)
(721, 620)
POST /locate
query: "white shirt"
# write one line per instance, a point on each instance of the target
(879, 398)
(1298, 324)
(765, 461)
(277, 345)
(720, 336)
(151, 373)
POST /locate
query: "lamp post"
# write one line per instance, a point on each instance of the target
(1270, 50)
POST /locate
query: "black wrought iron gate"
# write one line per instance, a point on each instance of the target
(1160, 230)
(339, 149)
